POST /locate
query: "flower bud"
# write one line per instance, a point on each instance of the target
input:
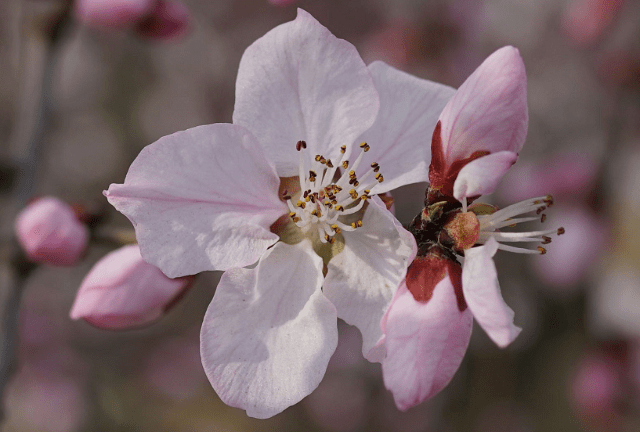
(123, 291)
(49, 232)
(112, 13)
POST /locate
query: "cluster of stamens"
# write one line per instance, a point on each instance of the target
(507, 217)
(323, 200)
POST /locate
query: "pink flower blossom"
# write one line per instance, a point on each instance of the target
(287, 188)
(159, 19)
(584, 21)
(123, 291)
(49, 232)
(282, 2)
(428, 325)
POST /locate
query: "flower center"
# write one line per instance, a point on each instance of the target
(457, 228)
(326, 198)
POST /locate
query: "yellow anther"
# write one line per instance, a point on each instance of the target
(353, 193)
(292, 214)
(541, 250)
(379, 178)
(318, 158)
(339, 208)
(345, 164)
(367, 191)
(329, 164)
(301, 204)
(343, 149)
(364, 197)
(359, 223)
(296, 219)
(352, 173)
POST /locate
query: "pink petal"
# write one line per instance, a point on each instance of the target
(202, 199)
(269, 332)
(489, 110)
(363, 277)
(123, 291)
(409, 110)
(481, 176)
(112, 13)
(168, 20)
(425, 344)
(299, 82)
(49, 232)
(483, 296)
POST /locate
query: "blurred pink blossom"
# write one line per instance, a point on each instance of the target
(49, 232)
(584, 21)
(173, 368)
(569, 175)
(123, 291)
(46, 403)
(594, 388)
(568, 262)
(282, 2)
(158, 19)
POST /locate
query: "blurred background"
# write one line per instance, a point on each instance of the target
(94, 95)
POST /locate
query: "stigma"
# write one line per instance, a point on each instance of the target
(329, 192)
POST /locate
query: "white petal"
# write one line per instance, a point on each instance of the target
(202, 199)
(299, 82)
(400, 139)
(425, 344)
(481, 176)
(483, 296)
(269, 332)
(363, 277)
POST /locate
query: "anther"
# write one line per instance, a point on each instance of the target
(329, 239)
(343, 149)
(359, 223)
(301, 145)
(339, 208)
(364, 146)
(540, 209)
(352, 173)
(317, 158)
(541, 250)
(379, 178)
(296, 219)
(375, 167)
(301, 204)
(345, 164)
(329, 164)
(353, 194)
(546, 240)
(292, 214)
(543, 218)
(316, 213)
(560, 230)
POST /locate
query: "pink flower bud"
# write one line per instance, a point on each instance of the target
(282, 2)
(158, 19)
(123, 291)
(49, 232)
(167, 20)
(112, 13)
